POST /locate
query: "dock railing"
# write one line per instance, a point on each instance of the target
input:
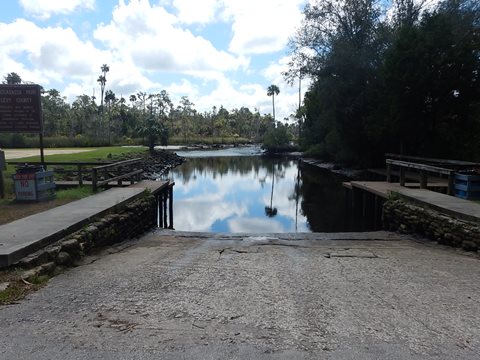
(444, 163)
(76, 168)
(116, 172)
(101, 173)
(424, 169)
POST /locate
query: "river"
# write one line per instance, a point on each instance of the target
(236, 190)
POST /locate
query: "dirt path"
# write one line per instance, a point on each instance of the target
(21, 153)
(178, 296)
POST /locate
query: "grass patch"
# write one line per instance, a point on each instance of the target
(17, 288)
(74, 193)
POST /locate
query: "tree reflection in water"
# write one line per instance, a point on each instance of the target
(270, 211)
(228, 194)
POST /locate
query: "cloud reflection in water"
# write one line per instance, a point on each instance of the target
(230, 194)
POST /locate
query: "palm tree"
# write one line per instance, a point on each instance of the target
(273, 90)
(110, 99)
(102, 80)
(133, 98)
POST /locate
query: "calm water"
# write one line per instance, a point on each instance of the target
(225, 193)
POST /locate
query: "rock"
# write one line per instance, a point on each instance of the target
(47, 268)
(4, 286)
(32, 273)
(92, 229)
(63, 258)
(70, 245)
(53, 252)
(469, 246)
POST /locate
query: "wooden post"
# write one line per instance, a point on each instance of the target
(364, 204)
(402, 176)
(2, 185)
(42, 154)
(451, 180)
(389, 172)
(94, 179)
(165, 196)
(119, 172)
(170, 205)
(160, 209)
(80, 175)
(423, 179)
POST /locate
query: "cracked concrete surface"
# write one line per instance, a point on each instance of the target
(209, 296)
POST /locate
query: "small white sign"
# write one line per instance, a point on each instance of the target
(25, 187)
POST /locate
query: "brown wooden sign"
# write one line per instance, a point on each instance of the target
(20, 109)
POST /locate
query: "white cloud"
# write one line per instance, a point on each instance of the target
(257, 27)
(54, 52)
(142, 41)
(198, 11)
(44, 9)
(262, 26)
(182, 88)
(232, 96)
(154, 40)
(190, 215)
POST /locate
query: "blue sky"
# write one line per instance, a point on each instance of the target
(216, 52)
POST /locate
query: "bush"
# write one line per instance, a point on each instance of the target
(13, 141)
(277, 140)
(317, 151)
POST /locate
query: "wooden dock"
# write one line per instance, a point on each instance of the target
(450, 205)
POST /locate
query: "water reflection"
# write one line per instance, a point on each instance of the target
(256, 194)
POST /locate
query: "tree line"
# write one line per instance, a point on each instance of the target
(151, 118)
(402, 78)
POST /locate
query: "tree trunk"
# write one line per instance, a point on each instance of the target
(273, 104)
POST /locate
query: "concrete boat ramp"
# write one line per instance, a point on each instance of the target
(173, 295)
(24, 236)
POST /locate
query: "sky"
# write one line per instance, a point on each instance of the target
(216, 52)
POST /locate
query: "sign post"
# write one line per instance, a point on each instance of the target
(21, 110)
(3, 166)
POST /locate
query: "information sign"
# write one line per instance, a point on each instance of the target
(25, 187)
(20, 109)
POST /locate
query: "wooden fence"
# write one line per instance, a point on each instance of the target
(101, 173)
